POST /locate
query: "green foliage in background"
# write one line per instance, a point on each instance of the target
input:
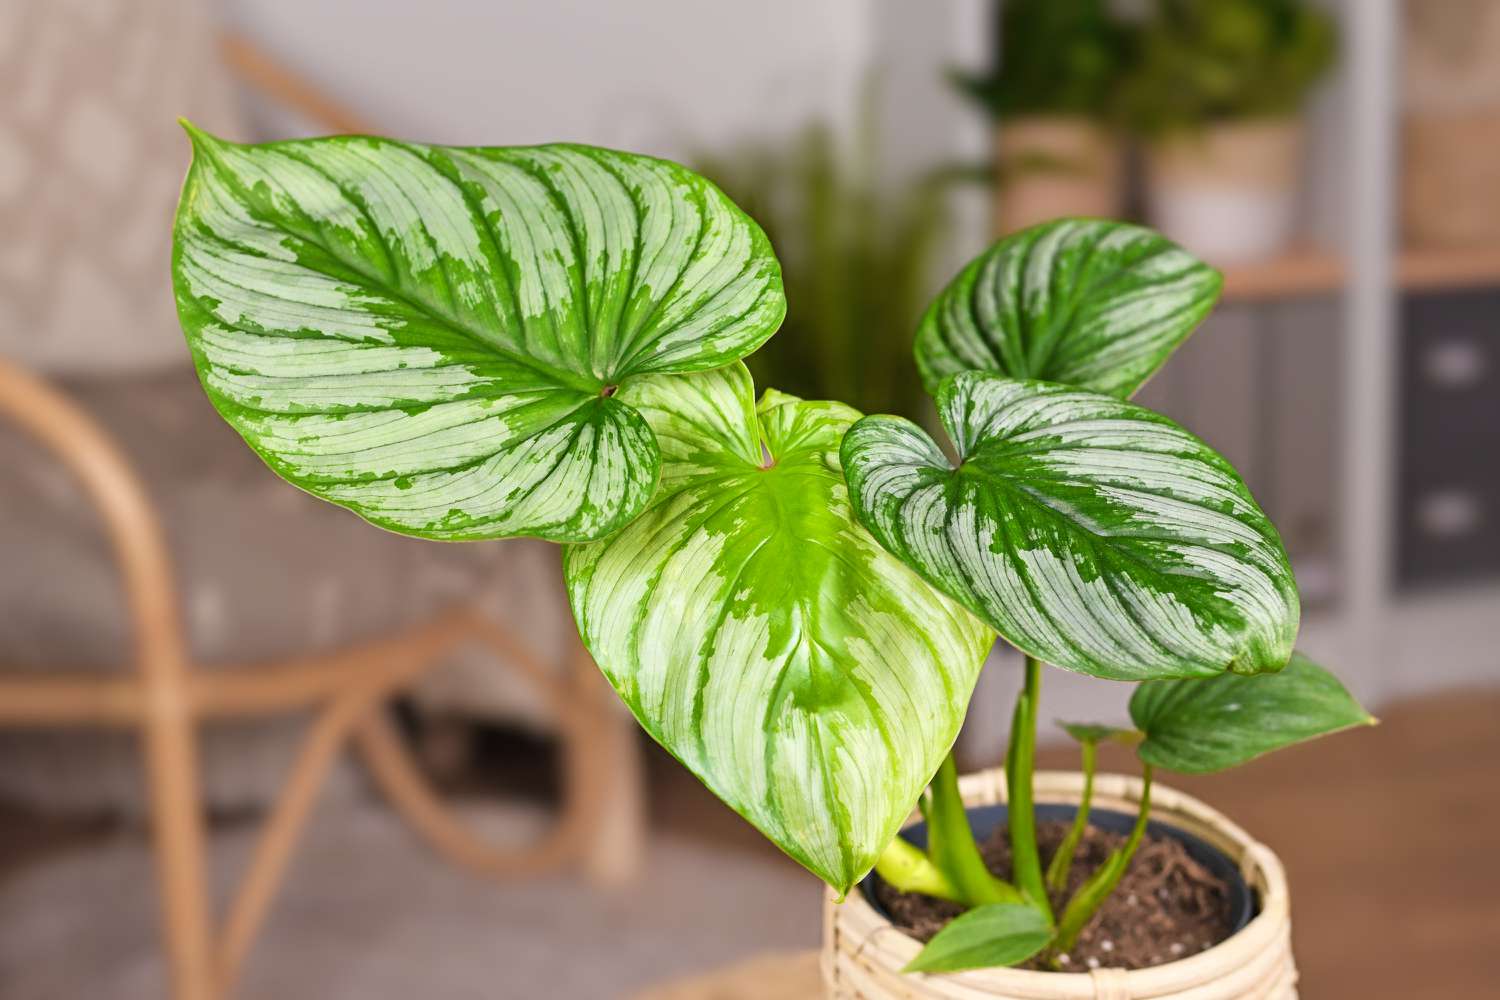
(1203, 61)
(856, 264)
(1175, 65)
(1052, 57)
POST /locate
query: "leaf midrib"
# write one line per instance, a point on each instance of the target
(1054, 335)
(1038, 502)
(371, 282)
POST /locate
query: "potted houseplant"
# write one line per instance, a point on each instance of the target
(1051, 97)
(1217, 93)
(794, 600)
(1094, 309)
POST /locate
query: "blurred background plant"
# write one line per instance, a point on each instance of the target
(1054, 81)
(1204, 61)
(1052, 57)
(857, 259)
(1216, 95)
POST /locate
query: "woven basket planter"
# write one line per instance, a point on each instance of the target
(863, 953)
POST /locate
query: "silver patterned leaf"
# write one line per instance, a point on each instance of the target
(435, 337)
(805, 675)
(1092, 533)
(1085, 302)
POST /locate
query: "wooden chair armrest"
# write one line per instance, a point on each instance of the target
(264, 73)
(130, 521)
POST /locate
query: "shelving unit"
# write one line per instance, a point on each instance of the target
(1310, 271)
(1383, 642)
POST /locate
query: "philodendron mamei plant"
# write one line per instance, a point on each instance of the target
(794, 599)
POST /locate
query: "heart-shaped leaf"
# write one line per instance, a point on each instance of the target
(433, 337)
(996, 934)
(1200, 726)
(806, 676)
(1092, 533)
(1095, 304)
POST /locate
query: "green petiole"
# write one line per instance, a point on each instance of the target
(1085, 903)
(1020, 763)
(907, 867)
(1062, 861)
(951, 843)
(951, 868)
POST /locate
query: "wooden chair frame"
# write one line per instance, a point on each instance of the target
(165, 698)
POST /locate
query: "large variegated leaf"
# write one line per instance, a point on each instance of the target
(433, 337)
(1095, 304)
(1092, 533)
(808, 677)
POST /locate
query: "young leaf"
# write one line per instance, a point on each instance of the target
(1092, 533)
(986, 936)
(805, 675)
(1199, 726)
(1094, 304)
(433, 337)
(1062, 859)
(1097, 887)
(1094, 732)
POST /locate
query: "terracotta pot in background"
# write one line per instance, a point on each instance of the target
(1228, 193)
(863, 952)
(1051, 167)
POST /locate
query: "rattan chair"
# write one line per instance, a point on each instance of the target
(166, 699)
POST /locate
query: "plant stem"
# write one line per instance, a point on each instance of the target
(1020, 763)
(1062, 861)
(1100, 884)
(905, 866)
(952, 848)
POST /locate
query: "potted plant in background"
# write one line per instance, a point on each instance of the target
(794, 600)
(1217, 94)
(1051, 97)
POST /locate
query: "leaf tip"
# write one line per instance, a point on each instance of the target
(200, 139)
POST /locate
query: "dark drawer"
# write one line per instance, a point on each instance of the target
(1449, 466)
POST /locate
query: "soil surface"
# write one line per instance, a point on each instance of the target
(1166, 907)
